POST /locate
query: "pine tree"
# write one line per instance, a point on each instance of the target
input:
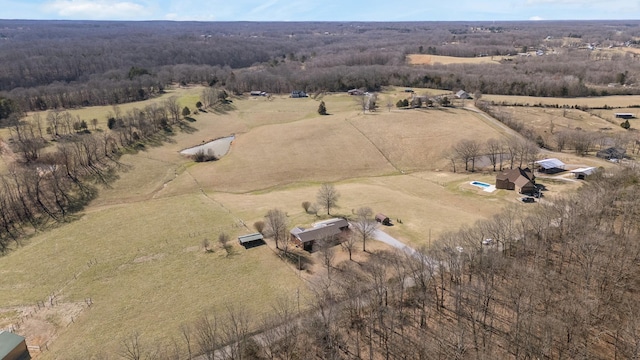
(322, 109)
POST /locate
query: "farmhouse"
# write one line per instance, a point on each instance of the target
(327, 229)
(251, 240)
(521, 180)
(551, 165)
(624, 116)
(612, 153)
(355, 92)
(463, 95)
(13, 347)
(298, 94)
(582, 173)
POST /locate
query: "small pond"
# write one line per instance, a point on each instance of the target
(218, 147)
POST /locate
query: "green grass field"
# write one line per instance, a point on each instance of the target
(136, 251)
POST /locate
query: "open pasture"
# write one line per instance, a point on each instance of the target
(144, 267)
(591, 102)
(137, 251)
(423, 59)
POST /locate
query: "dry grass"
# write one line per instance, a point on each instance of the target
(145, 231)
(601, 101)
(422, 59)
(151, 273)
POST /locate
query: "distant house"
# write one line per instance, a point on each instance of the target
(13, 347)
(251, 240)
(383, 219)
(625, 116)
(298, 94)
(551, 165)
(612, 153)
(582, 173)
(329, 229)
(258, 93)
(463, 95)
(521, 180)
(355, 92)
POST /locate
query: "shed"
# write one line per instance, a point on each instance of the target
(13, 347)
(625, 116)
(582, 173)
(251, 240)
(256, 93)
(355, 92)
(383, 219)
(551, 165)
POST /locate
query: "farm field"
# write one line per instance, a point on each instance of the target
(422, 59)
(137, 250)
(617, 101)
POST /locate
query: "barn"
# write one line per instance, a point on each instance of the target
(13, 347)
(550, 166)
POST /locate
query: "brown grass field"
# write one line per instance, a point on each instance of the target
(136, 251)
(618, 101)
(423, 59)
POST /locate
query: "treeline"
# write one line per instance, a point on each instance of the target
(559, 280)
(66, 64)
(44, 185)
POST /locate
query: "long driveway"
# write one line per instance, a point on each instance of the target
(390, 240)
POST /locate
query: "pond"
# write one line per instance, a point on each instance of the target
(218, 147)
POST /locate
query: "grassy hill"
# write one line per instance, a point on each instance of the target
(136, 252)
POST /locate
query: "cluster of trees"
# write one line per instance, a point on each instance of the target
(500, 153)
(557, 281)
(42, 186)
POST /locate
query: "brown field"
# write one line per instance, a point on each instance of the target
(422, 59)
(618, 101)
(137, 251)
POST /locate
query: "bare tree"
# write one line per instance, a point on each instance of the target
(224, 239)
(494, 152)
(276, 221)
(207, 336)
(468, 150)
(328, 197)
(349, 244)
(364, 225)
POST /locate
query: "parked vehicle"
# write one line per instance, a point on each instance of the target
(527, 199)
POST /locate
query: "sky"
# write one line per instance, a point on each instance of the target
(320, 10)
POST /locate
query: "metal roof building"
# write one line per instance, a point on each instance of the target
(581, 173)
(245, 239)
(13, 347)
(551, 163)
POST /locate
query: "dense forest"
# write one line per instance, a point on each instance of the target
(64, 64)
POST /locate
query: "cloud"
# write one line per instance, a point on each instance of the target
(96, 9)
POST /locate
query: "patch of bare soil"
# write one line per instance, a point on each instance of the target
(147, 258)
(40, 325)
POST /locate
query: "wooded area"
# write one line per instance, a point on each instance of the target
(62, 64)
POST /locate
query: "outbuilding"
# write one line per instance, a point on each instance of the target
(251, 240)
(13, 347)
(625, 116)
(612, 153)
(551, 165)
(383, 219)
(582, 173)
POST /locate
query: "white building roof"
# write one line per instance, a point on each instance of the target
(586, 171)
(550, 163)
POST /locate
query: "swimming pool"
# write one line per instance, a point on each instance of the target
(484, 186)
(480, 184)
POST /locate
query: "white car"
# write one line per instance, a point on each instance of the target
(487, 241)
